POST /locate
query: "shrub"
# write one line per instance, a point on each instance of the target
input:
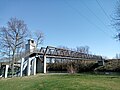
(113, 66)
(72, 67)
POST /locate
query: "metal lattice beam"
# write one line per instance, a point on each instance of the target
(64, 53)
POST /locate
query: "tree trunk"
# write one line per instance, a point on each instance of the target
(13, 60)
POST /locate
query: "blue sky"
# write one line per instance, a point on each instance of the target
(68, 23)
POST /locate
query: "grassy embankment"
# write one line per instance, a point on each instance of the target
(62, 82)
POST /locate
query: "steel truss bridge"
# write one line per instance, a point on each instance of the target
(53, 52)
(29, 60)
(58, 53)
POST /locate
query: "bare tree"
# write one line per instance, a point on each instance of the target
(39, 37)
(12, 38)
(63, 47)
(116, 20)
(117, 56)
(83, 49)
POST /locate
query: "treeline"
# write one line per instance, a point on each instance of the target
(110, 66)
(78, 67)
(72, 67)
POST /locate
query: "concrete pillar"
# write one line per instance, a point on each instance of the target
(44, 58)
(21, 67)
(34, 73)
(6, 70)
(103, 62)
(34, 66)
(28, 66)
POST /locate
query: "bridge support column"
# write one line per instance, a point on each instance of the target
(21, 67)
(44, 58)
(103, 62)
(6, 70)
(34, 66)
(28, 67)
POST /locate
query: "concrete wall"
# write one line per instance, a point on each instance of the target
(39, 66)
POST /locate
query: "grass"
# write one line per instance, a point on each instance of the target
(62, 82)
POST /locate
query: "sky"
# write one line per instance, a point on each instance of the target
(68, 23)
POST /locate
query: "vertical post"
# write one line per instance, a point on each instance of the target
(28, 67)
(6, 70)
(34, 66)
(44, 58)
(21, 67)
(61, 65)
(103, 62)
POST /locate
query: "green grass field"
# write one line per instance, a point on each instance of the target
(62, 82)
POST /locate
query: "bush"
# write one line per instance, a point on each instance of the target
(113, 66)
(57, 67)
(72, 67)
(87, 67)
